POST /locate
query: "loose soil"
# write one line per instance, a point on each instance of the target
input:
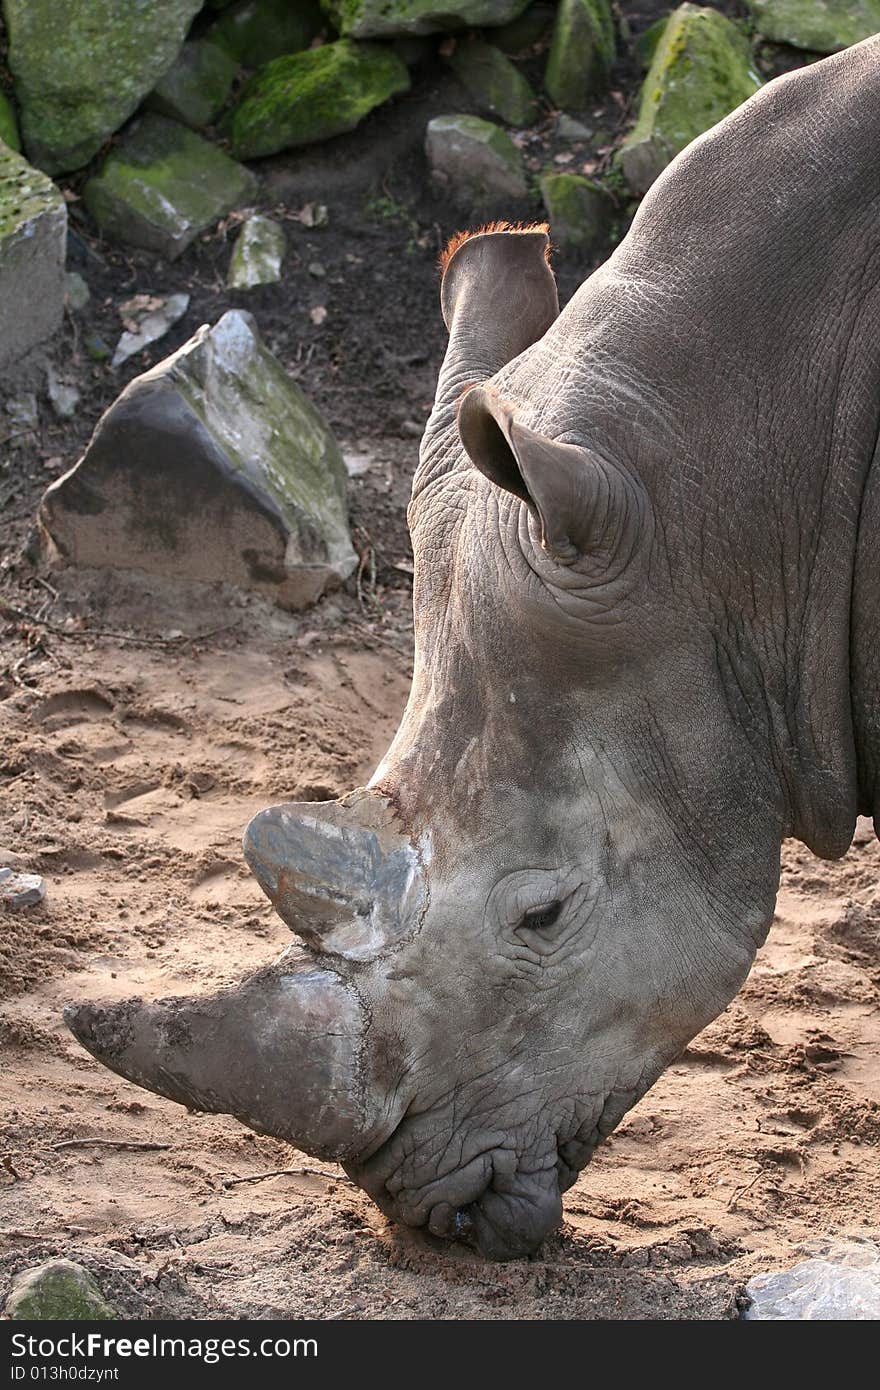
(129, 765)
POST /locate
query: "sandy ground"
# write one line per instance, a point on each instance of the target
(126, 776)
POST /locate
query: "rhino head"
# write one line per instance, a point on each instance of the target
(565, 863)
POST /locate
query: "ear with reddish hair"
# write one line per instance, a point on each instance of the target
(498, 296)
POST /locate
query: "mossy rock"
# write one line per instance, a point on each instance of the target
(581, 54)
(493, 83)
(475, 161)
(163, 184)
(579, 209)
(820, 26)
(57, 1291)
(700, 72)
(33, 241)
(257, 254)
(213, 466)
(646, 44)
(81, 69)
(256, 31)
(195, 88)
(306, 97)
(374, 19)
(522, 33)
(8, 124)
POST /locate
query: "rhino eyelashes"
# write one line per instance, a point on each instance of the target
(541, 918)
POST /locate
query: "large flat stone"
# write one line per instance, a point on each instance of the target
(81, 68)
(302, 98)
(213, 466)
(33, 243)
(163, 184)
(822, 26)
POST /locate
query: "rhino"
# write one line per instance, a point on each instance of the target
(647, 649)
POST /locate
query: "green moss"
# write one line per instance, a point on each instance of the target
(700, 72)
(256, 31)
(305, 97)
(58, 1291)
(8, 124)
(163, 184)
(494, 83)
(581, 53)
(824, 27)
(371, 19)
(81, 69)
(195, 88)
(25, 194)
(646, 44)
(579, 209)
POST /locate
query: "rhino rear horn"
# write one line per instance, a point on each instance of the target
(585, 504)
(498, 297)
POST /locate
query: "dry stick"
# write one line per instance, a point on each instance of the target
(741, 1191)
(288, 1172)
(85, 633)
(108, 1144)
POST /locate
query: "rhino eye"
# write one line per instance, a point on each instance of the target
(542, 917)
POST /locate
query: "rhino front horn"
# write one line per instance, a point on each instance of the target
(279, 1052)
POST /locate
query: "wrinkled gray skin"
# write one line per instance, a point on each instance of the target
(646, 599)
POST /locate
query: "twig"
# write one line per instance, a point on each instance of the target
(288, 1172)
(108, 1144)
(741, 1191)
(83, 634)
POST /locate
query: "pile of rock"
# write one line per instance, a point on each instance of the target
(184, 91)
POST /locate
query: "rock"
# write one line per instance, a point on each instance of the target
(22, 413)
(306, 97)
(821, 28)
(256, 31)
(567, 128)
(646, 44)
(63, 397)
(195, 88)
(581, 53)
(475, 160)
(413, 49)
(20, 890)
(257, 254)
(493, 83)
(33, 236)
(372, 19)
(58, 1291)
(148, 322)
(579, 209)
(841, 1283)
(212, 466)
(81, 69)
(523, 33)
(162, 185)
(76, 291)
(8, 124)
(700, 72)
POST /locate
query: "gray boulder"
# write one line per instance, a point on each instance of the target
(475, 161)
(367, 19)
(163, 184)
(82, 68)
(33, 243)
(195, 88)
(493, 83)
(57, 1291)
(211, 466)
(823, 27)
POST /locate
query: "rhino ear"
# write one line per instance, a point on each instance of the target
(498, 296)
(585, 505)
